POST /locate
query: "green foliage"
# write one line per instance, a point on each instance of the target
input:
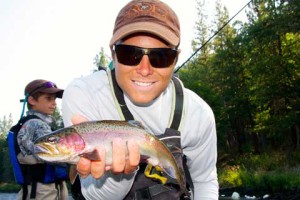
(262, 172)
(6, 173)
(9, 187)
(58, 119)
(272, 181)
(101, 60)
(250, 77)
(5, 125)
(230, 177)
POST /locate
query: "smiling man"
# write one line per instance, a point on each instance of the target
(142, 87)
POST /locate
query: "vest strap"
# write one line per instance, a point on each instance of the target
(178, 109)
(119, 95)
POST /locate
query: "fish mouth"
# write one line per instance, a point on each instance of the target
(45, 149)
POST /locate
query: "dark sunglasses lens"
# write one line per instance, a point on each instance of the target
(128, 55)
(161, 58)
(132, 55)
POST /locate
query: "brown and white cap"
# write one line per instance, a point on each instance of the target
(148, 16)
(44, 86)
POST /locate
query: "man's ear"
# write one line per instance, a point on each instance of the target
(31, 100)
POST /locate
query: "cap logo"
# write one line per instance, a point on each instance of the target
(145, 9)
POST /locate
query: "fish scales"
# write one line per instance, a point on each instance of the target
(66, 145)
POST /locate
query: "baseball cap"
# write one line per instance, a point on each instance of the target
(43, 86)
(148, 16)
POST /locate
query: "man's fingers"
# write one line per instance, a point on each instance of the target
(84, 167)
(134, 156)
(98, 166)
(118, 155)
(125, 157)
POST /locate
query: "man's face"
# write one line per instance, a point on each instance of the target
(143, 83)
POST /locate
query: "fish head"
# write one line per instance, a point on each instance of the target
(61, 146)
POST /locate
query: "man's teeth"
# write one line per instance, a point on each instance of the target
(143, 83)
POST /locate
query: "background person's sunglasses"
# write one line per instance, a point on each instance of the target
(47, 84)
(132, 55)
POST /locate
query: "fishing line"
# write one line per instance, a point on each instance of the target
(207, 41)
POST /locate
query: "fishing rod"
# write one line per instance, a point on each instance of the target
(207, 41)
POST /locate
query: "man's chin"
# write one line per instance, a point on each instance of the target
(142, 102)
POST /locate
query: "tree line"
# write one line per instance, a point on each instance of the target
(250, 75)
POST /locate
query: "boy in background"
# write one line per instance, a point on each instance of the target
(42, 181)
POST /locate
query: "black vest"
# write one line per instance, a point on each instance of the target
(143, 187)
(31, 174)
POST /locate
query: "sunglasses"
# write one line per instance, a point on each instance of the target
(132, 55)
(47, 84)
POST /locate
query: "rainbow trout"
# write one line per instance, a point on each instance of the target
(66, 145)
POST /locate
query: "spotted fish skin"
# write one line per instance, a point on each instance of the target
(66, 145)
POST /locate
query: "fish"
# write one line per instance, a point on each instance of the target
(68, 144)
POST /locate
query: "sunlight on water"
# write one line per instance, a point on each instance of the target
(13, 196)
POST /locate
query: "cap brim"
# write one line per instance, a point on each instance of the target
(57, 91)
(145, 27)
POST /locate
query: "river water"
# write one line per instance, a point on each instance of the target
(13, 196)
(293, 195)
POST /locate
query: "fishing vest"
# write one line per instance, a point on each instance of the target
(31, 174)
(145, 188)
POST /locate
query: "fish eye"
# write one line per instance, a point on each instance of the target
(52, 139)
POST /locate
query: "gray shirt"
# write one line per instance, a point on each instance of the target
(32, 130)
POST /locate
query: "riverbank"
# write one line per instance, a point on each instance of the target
(248, 193)
(13, 196)
(225, 194)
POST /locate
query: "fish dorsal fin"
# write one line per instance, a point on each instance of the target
(136, 124)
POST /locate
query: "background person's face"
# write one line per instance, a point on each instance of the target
(46, 103)
(143, 83)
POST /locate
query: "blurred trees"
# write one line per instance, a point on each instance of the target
(101, 60)
(6, 174)
(250, 76)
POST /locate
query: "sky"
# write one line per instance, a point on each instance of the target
(58, 40)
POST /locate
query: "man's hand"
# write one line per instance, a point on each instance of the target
(125, 157)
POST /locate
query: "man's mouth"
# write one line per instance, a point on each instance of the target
(144, 84)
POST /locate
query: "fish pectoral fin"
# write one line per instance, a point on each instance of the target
(91, 155)
(72, 173)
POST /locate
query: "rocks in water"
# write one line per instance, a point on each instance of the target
(235, 195)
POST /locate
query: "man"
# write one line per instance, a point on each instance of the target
(145, 50)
